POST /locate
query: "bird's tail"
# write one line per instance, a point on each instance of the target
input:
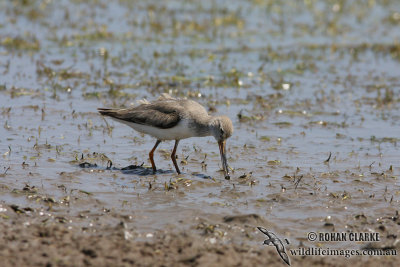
(107, 111)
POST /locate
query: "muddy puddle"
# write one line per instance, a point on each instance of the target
(312, 89)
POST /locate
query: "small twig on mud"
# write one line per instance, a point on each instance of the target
(370, 165)
(298, 181)
(5, 172)
(329, 158)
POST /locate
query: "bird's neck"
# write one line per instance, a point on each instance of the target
(204, 127)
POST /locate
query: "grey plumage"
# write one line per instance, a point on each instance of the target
(170, 118)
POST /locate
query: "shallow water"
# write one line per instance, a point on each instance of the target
(299, 81)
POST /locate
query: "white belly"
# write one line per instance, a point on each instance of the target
(179, 131)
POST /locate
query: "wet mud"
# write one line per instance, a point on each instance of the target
(312, 89)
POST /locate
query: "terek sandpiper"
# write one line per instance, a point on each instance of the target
(171, 118)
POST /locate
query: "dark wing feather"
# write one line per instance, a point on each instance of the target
(160, 114)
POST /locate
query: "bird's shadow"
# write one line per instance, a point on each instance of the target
(139, 170)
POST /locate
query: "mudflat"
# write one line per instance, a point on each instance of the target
(311, 88)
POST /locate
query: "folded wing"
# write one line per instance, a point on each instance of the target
(160, 114)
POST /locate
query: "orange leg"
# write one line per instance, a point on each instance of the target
(151, 154)
(173, 157)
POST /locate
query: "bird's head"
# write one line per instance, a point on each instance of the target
(222, 128)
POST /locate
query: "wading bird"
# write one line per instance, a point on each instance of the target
(171, 118)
